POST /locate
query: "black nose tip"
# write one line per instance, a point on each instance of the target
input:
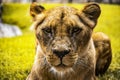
(62, 53)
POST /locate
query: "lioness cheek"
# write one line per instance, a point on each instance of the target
(70, 60)
(54, 61)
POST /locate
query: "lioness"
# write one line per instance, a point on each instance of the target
(66, 47)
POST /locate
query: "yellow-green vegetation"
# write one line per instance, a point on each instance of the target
(16, 57)
(17, 14)
(17, 54)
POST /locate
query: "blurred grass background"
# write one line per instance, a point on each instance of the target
(17, 53)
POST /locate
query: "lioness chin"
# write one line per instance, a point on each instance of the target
(66, 47)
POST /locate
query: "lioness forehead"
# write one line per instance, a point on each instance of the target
(62, 11)
(59, 15)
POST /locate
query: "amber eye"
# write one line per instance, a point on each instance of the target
(76, 30)
(47, 30)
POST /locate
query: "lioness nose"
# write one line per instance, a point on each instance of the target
(60, 54)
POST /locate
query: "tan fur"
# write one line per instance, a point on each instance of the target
(103, 51)
(65, 48)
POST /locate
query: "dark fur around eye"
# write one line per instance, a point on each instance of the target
(47, 30)
(76, 30)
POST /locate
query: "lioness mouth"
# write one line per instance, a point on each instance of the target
(61, 65)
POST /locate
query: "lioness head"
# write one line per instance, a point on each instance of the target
(63, 33)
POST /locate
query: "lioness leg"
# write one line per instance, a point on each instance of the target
(103, 52)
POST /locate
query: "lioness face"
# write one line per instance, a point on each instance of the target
(63, 34)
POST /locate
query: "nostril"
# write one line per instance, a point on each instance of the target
(66, 52)
(61, 54)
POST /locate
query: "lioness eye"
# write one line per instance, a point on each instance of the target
(47, 30)
(76, 30)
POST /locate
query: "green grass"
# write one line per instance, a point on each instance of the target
(17, 54)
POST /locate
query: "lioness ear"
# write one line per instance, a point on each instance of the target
(92, 11)
(35, 9)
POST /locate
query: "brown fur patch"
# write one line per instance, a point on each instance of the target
(103, 51)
